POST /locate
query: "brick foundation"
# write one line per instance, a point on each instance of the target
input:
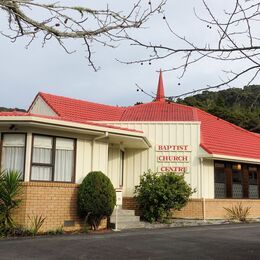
(214, 208)
(55, 201)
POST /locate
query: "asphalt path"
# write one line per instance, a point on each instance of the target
(202, 242)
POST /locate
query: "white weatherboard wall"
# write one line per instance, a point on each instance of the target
(165, 133)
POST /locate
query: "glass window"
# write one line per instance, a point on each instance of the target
(237, 183)
(253, 191)
(220, 180)
(13, 152)
(52, 159)
(236, 180)
(64, 160)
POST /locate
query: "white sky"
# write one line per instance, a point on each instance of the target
(25, 72)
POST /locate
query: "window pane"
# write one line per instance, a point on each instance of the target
(64, 160)
(13, 152)
(220, 181)
(42, 149)
(237, 186)
(252, 179)
(41, 173)
(42, 155)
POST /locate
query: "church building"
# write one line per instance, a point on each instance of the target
(59, 140)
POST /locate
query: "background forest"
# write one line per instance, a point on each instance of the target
(238, 106)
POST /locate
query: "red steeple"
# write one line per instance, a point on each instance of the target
(160, 90)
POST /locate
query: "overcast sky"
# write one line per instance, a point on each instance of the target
(25, 72)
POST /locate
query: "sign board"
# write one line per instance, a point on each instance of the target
(119, 197)
(174, 168)
(177, 158)
(173, 148)
(173, 158)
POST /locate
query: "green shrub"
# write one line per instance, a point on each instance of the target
(159, 193)
(96, 198)
(10, 189)
(36, 224)
(238, 212)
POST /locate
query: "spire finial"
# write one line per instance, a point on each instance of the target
(160, 90)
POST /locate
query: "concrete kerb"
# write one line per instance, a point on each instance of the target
(178, 223)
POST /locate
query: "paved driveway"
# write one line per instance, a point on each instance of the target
(207, 242)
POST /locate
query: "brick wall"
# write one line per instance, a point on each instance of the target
(55, 201)
(214, 208)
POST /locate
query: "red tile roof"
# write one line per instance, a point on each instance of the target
(221, 137)
(159, 111)
(74, 108)
(217, 136)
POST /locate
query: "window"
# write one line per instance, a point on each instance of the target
(220, 180)
(253, 191)
(13, 152)
(52, 159)
(236, 180)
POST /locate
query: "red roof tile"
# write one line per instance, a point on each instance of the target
(159, 111)
(74, 108)
(221, 137)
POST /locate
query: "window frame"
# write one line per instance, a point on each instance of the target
(244, 179)
(52, 164)
(25, 149)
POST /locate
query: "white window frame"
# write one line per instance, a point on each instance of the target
(52, 163)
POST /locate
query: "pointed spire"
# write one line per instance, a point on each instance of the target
(160, 90)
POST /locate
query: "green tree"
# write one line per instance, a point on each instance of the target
(238, 106)
(96, 198)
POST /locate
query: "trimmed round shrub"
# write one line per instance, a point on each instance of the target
(96, 198)
(159, 193)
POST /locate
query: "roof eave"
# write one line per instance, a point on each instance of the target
(223, 157)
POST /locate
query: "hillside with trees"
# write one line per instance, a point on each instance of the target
(236, 105)
(5, 109)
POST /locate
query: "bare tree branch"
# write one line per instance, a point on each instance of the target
(61, 22)
(238, 40)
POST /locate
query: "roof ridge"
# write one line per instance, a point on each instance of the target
(80, 100)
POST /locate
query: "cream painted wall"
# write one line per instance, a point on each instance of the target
(114, 165)
(163, 133)
(208, 178)
(40, 107)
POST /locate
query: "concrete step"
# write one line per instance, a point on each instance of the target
(125, 218)
(129, 225)
(124, 212)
